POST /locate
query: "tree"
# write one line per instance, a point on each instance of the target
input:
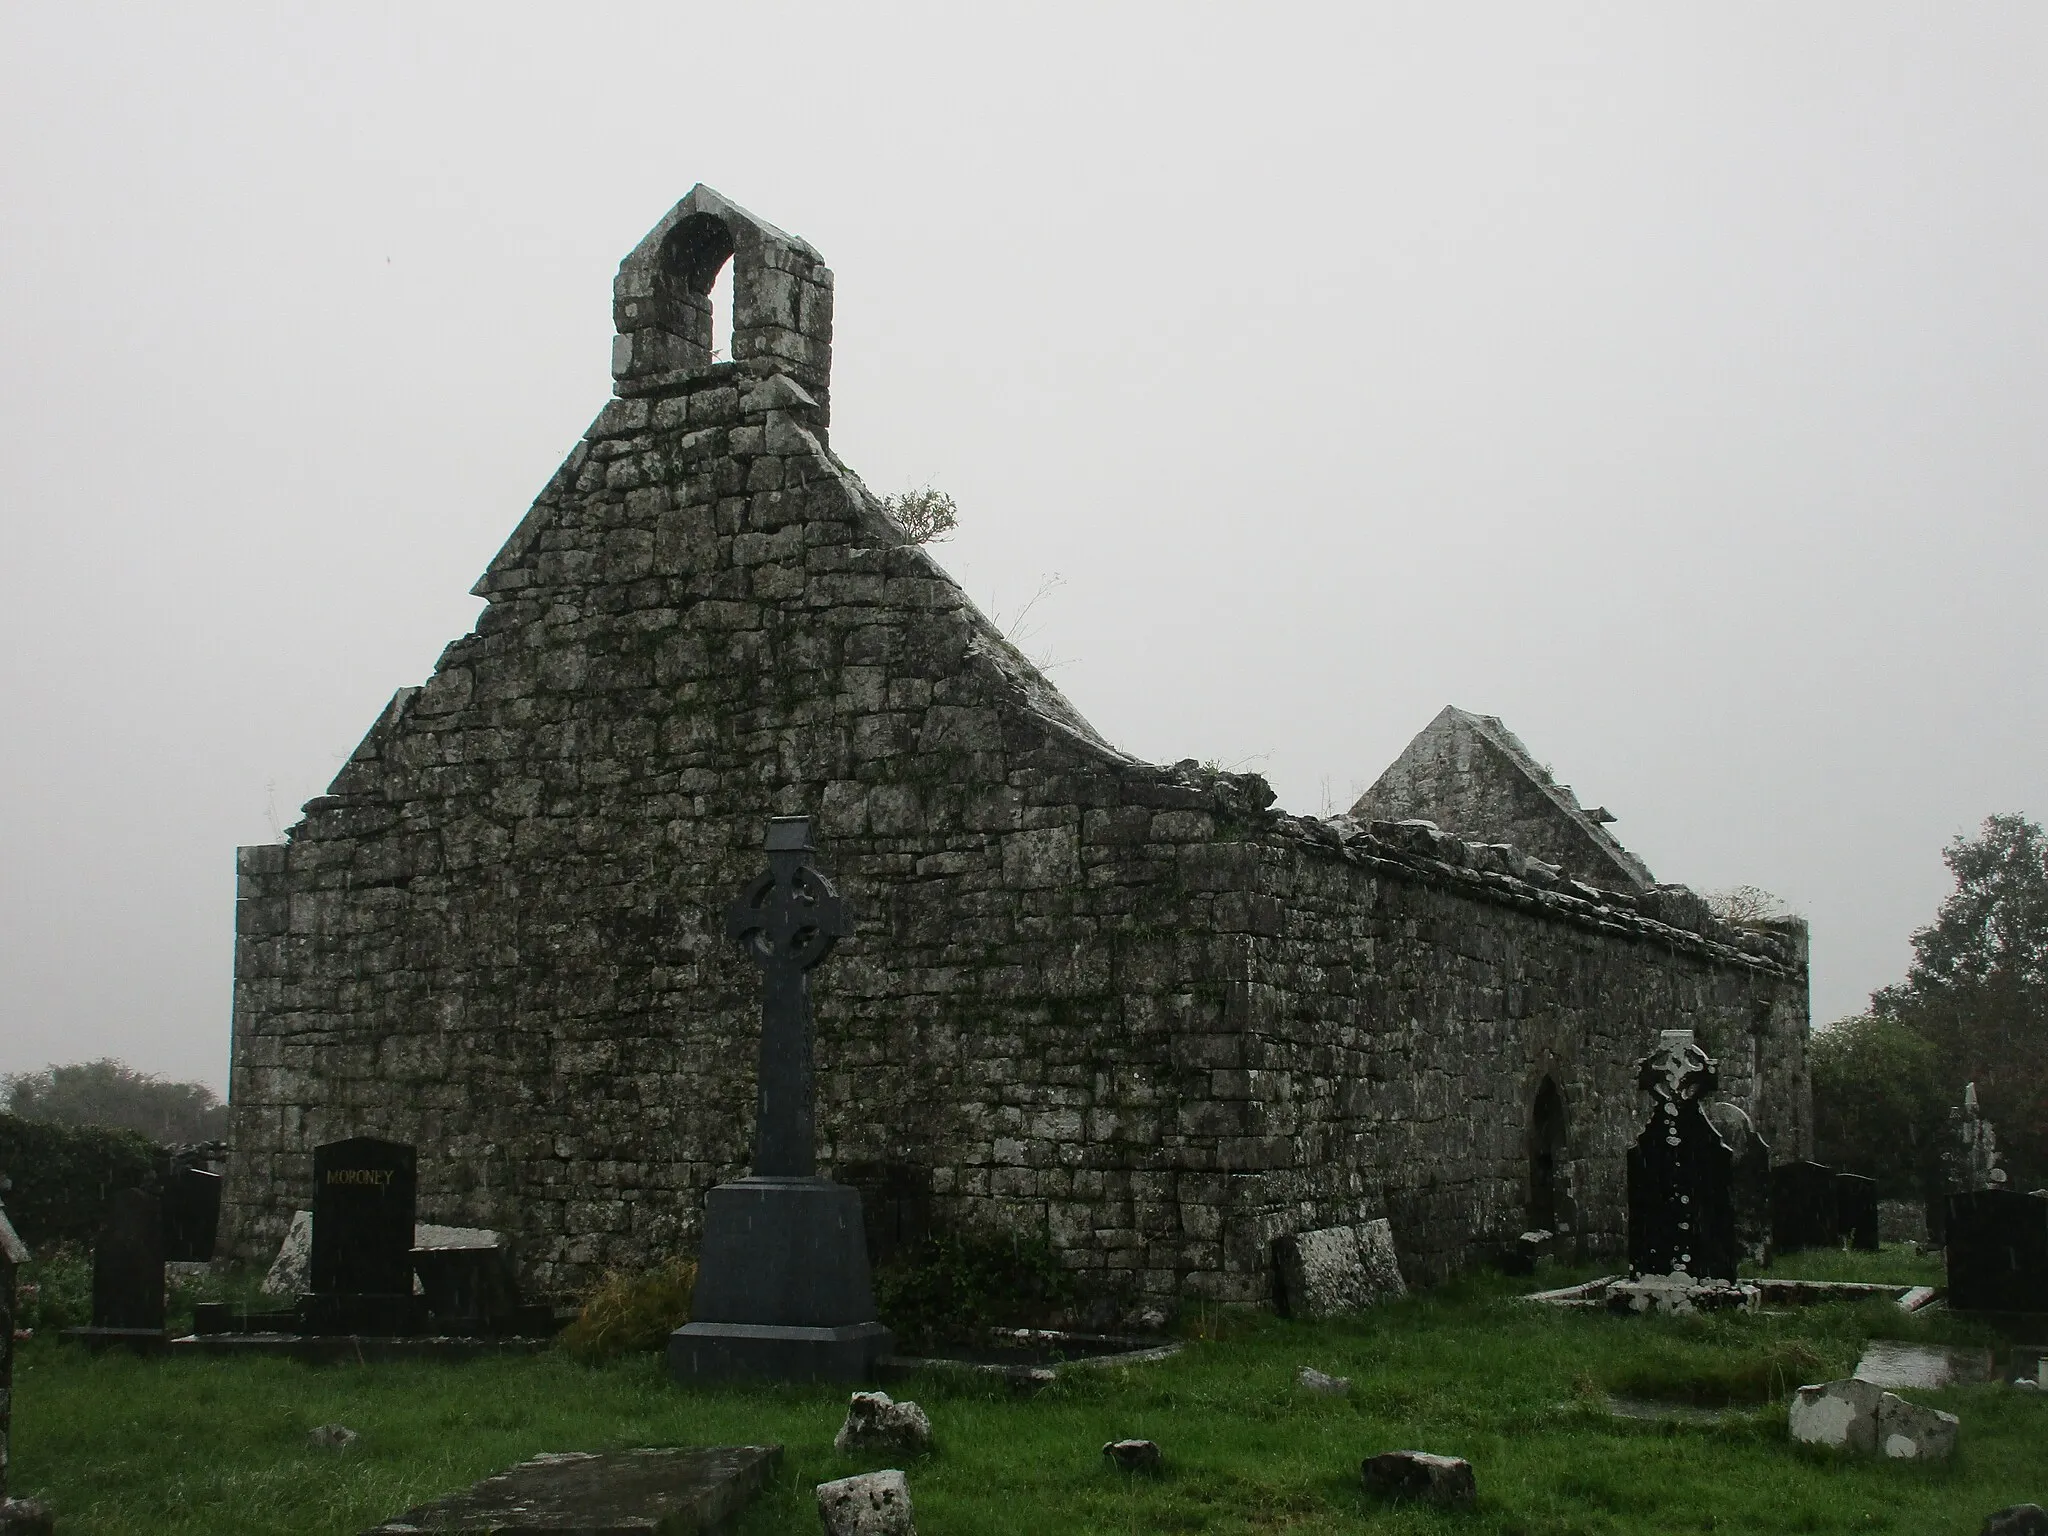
(1977, 991)
(926, 514)
(112, 1093)
(1878, 1107)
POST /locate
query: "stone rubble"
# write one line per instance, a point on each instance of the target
(1309, 1379)
(1334, 1270)
(1863, 1418)
(870, 1504)
(1133, 1455)
(876, 1423)
(1419, 1475)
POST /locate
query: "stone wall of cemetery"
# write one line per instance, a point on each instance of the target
(1130, 1006)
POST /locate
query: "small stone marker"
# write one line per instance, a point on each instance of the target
(1333, 1270)
(1970, 1160)
(1749, 1184)
(2016, 1520)
(1908, 1432)
(1312, 1380)
(191, 1204)
(128, 1265)
(611, 1493)
(291, 1272)
(872, 1504)
(332, 1437)
(1404, 1475)
(1804, 1213)
(1681, 1213)
(875, 1422)
(1133, 1455)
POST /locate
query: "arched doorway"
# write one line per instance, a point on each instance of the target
(1550, 1199)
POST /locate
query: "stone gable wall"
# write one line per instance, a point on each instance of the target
(1128, 1005)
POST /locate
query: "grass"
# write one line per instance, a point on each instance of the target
(179, 1447)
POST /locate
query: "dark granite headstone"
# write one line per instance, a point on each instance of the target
(1997, 1251)
(128, 1264)
(1750, 1183)
(364, 1192)
(783, 1284)
(191, 1202)
(1856, 1210)
(1681, 1216)
(1803, 1208)
(469, 1290)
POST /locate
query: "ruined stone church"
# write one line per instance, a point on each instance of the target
(1133, 1008)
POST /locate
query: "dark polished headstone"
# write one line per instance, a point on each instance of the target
(1804, 1212)
(1681, 1217)
(1997, 1251)
(364, 1194)
(783, 1285)
(1856, 1210)
(128, 1264)
(1750, 1181)
(469, 1290)
(191, 1203)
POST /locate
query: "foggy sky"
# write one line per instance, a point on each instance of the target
(1669, 381)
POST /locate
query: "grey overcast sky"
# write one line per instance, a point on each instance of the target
(1667, 380)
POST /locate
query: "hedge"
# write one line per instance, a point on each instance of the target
(64, 1175)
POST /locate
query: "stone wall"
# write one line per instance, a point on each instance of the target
(1131, 1006)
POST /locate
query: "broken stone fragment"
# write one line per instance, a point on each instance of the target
(1441, 1480)
(872, 1504)
(875, 1422)
(1312, 1380)
(1332, 1270)
(333, 1437)
(1841, 1415)
(2016, 1520)
(1133, 1455)
(1908, 1432)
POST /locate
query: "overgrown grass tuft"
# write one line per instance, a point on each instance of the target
(632, 1314)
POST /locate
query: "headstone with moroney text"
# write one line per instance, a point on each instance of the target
(364, 1193)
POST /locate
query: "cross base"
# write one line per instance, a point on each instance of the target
(783, 1287)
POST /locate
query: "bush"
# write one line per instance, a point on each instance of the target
(632, 1314)
(955, 1286)
(112, 1093)
(54, 1290)
(64, 1175)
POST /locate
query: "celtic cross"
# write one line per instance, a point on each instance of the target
(787, 921)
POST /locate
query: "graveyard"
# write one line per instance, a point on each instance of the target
(1426, 1167)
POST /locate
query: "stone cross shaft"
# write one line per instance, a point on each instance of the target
(787, 921)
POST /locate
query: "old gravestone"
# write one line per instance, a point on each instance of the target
(1804, 1213)
(364, 1193)
(1681, 1218)
(1997, 1251)
(128, 1265)
(191, 1214)
(1856, 1210)
(13, 1254)
(783, 1285)
(1750, 1181)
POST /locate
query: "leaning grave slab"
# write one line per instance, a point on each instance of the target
(1132, 1007)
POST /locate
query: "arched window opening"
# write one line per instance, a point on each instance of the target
(1549, 1174)
(721, 315)
(696, 261)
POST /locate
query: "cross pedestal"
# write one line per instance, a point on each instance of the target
(783, 1286)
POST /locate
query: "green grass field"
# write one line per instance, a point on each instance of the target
(153, 1448)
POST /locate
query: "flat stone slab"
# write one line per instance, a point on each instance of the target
(340, 1348)
(1926, 1367)
(662, 1491)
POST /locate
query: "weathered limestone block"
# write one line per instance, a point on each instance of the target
(872, 1504)
(1908, 1432)
(1405, 1475)
(875, 1422)
(1339, 1269)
